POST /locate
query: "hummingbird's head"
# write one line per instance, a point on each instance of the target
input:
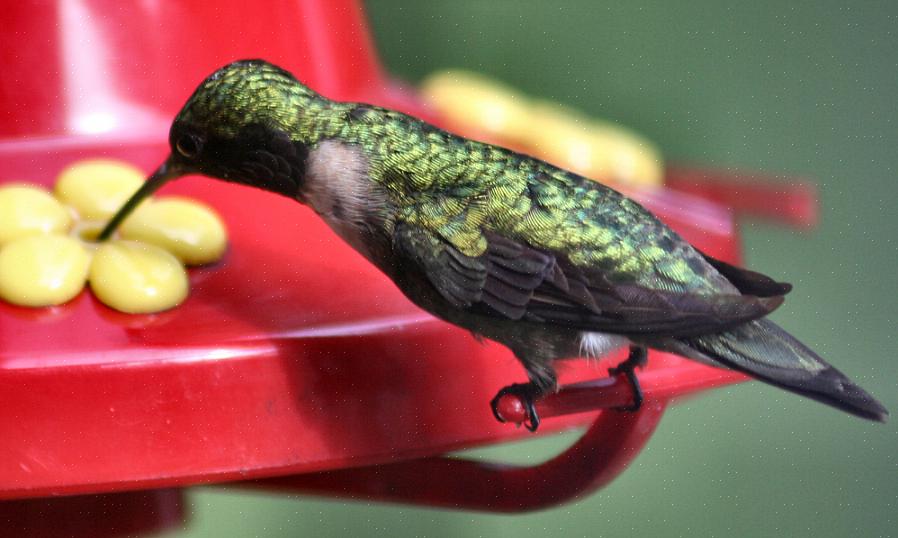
(249, 122)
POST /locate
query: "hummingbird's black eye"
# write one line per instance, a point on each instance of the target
(189, 145)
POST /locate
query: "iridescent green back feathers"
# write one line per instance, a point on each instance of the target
(459, 188)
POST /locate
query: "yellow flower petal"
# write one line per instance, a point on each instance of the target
(594, 148)
(42, 270)
(137, 278)
(475, 101)
(96, 188)
(30, 210)
(188, 229)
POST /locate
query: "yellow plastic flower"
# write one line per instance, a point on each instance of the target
(47, 252)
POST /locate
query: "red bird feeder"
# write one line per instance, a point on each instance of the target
(294, 364)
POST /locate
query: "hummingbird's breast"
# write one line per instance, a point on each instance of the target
(338, 187)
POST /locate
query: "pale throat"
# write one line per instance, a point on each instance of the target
(338, 187)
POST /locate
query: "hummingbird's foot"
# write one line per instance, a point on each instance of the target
(637, 359)
(526, 393)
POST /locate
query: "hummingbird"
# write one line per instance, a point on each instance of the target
(546, 262)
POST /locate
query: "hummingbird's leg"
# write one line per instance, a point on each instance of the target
(637, 359)
(527, 393)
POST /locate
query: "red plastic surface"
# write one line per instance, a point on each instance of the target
(602, 453)
(791, 201)
(103, 66)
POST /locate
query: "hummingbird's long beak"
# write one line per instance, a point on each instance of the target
(167, 171)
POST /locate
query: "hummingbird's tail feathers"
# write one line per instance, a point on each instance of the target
(763, 350)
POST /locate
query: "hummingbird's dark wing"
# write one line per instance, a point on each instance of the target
(514, 281)
(748, 282)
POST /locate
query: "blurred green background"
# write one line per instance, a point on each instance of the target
(806, 88)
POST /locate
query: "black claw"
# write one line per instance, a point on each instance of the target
(526, 393)
(637, 359)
